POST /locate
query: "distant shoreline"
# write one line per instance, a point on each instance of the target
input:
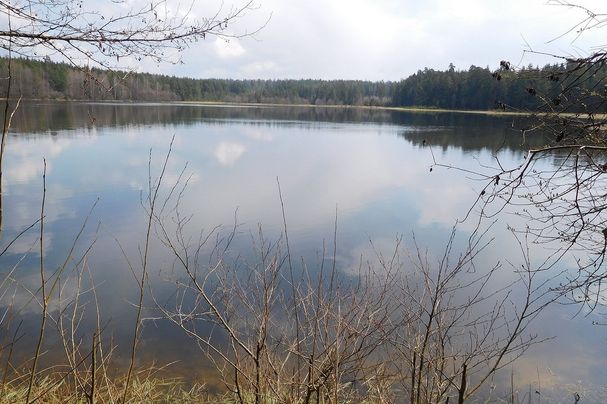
(367, 107)
(424, 110)
(277, 105)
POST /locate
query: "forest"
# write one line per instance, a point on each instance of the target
(477, 88)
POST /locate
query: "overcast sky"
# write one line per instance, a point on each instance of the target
(387, 39)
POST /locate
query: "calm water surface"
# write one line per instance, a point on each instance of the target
(368, 169)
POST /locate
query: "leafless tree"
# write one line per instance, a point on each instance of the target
(460, 326)
(559, 189)
(386, 330)
(103, 33)
(311, 337)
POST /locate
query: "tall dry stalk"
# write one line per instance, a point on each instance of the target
(43, 291)
(152, 199)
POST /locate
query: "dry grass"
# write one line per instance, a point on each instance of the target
(53, 389)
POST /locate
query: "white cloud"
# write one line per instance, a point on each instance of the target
(259, 69)
(228, 153)
(362, 39)
(228, 48)
(27, 162)
(388, 39)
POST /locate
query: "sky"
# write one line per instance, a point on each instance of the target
(387, 39)
(363, 39)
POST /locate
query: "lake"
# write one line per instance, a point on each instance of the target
(353, 179)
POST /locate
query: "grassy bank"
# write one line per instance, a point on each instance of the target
(55, 390)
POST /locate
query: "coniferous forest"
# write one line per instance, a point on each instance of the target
(476, 88)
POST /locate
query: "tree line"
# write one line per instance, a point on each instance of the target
(49, 80)
(528, 88)
(477, 88)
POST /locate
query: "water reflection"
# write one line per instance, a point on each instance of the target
(464, 130)
(471, 138)
(372, 166)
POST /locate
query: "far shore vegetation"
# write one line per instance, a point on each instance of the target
(472, 89)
